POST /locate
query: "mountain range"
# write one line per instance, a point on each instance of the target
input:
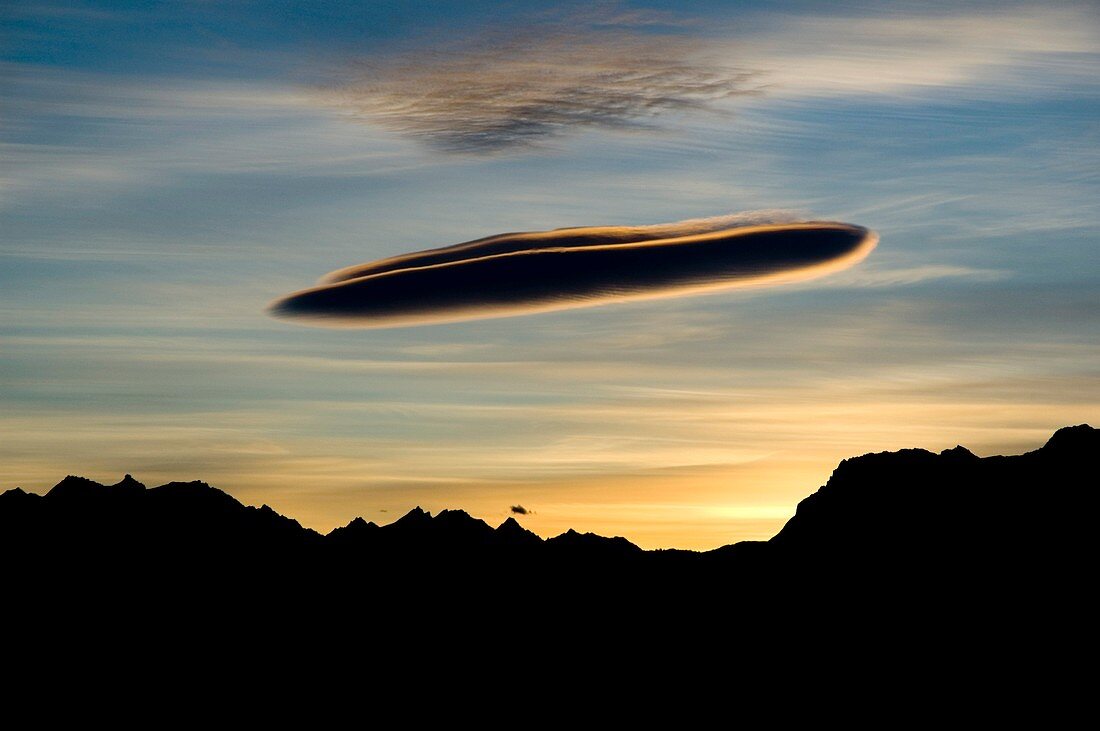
(911, 529)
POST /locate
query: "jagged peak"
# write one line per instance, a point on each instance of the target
(73, 485)
(128, 483)
(356, 527)
(510, 531)
(958, 452)
(196, 490)
(18, 494)
(572, 538)
(452, 513)
(191, 484)
(78, 480)
(575, 534)
(460, 520)
(458, 516)
(356, 524)
(415, 516)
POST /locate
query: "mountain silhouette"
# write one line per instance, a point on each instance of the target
(356, 533)
(79, 519)
(951, 514)
(592, 546)
(911, 504)
(892, 536)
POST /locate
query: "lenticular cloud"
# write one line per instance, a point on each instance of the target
(523, 273)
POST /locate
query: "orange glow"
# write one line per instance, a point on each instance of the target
(762, 460)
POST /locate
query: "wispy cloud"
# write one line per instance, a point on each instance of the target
(610, 69)
(79, 139)
(902, 276)
(521, 89)
(1019, 48)
(33, 89)
(614, 13)
(513, 274)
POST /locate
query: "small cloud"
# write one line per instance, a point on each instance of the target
(524, 273)
(519, 510)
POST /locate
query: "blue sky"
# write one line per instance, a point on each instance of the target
(169, 169)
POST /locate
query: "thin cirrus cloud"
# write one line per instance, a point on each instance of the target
(524, 273)
(1021, 48)
(604, 71)
(904, 276)
(516, 92)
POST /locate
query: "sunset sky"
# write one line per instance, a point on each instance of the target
(168, 170)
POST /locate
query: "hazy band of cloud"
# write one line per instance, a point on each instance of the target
(904, 276)
(514, 274)
(1028, 48)
(514, 91)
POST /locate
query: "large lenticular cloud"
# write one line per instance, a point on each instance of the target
(522, 273)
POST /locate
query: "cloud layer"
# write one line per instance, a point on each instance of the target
(522, 273)
(516, 91)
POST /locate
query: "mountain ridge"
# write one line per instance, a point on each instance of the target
(849, 487)
(899, 553)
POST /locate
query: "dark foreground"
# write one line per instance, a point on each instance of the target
(907, 547)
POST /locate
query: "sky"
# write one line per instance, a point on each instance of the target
(168, 170)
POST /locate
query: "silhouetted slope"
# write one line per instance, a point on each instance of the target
(952, 515)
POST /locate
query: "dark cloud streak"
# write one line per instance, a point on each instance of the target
(516, 274)
(519, 90)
